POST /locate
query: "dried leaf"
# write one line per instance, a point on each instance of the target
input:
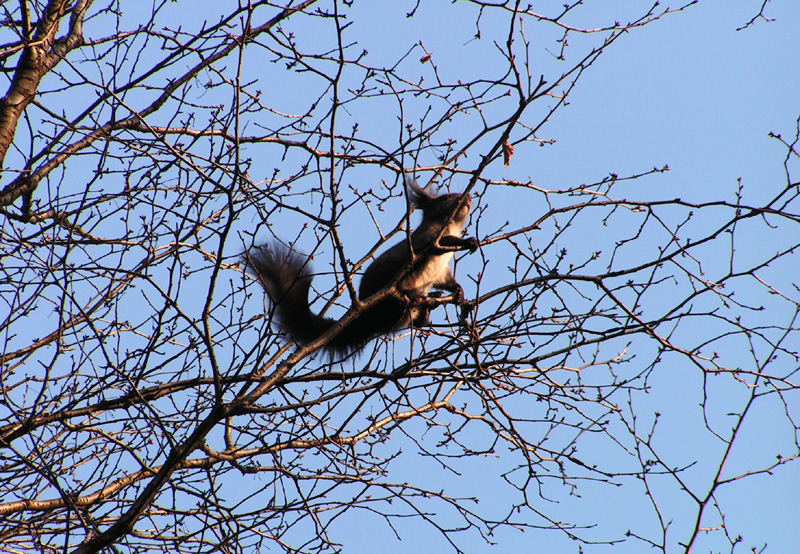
(508, 151)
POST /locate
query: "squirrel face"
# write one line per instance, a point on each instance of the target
(439, 209)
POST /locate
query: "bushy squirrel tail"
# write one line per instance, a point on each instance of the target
(286, 277)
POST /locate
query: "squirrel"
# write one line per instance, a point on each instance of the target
(286, 278)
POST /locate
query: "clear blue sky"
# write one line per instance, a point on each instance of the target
(691, 92)
(688, 91)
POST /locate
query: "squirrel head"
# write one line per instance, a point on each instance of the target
(439, 209)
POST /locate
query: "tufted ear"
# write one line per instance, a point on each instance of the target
(420, 198)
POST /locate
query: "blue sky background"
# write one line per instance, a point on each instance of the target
(688, 91)
(691, 92)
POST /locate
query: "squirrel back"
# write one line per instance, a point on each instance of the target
(424, 263)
